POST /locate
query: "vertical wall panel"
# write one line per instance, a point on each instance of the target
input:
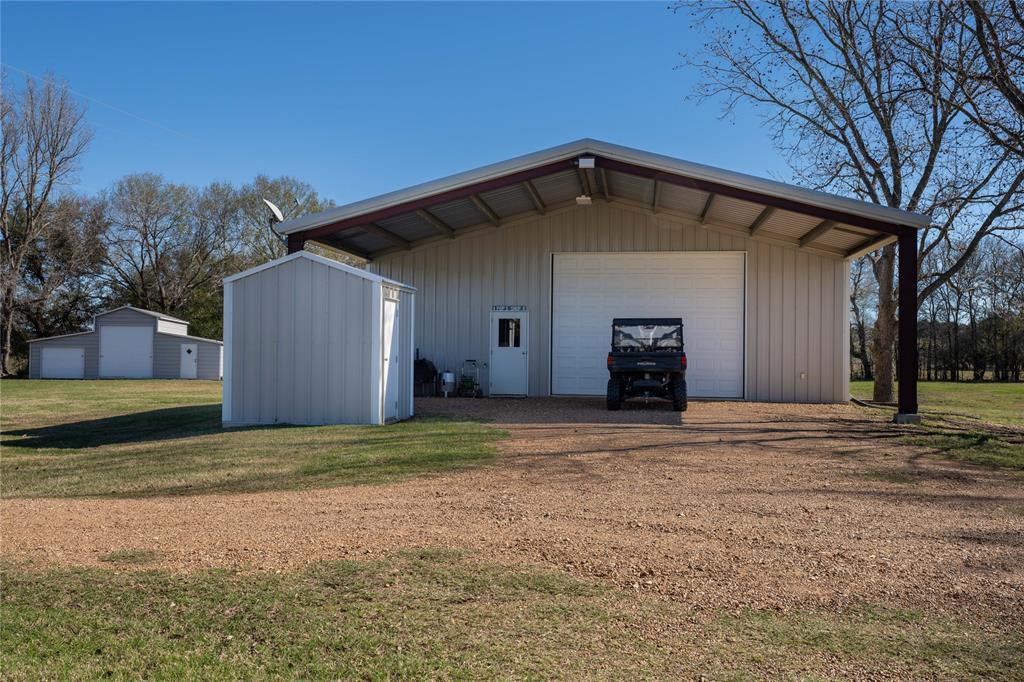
(828, 354)
(285, 352)
(249, 395)
(815, 391)
(788, 324)
(762, 293)
(750, 324)
(237, 362)
(337, 307)
(776, 268)
(268, 344)
(320, 312)
(801, 329)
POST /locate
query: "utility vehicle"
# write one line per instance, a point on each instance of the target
(647, 360)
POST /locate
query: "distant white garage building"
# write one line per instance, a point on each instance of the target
(127, 343)
(309, 340)
(521, 265)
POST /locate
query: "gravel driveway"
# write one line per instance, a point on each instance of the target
(735, 504)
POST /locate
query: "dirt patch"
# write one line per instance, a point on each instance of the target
(733, 505)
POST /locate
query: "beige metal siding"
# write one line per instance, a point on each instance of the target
(796, 310)
(300, 335)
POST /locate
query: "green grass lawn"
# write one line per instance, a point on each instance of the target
(140, 438)
(982, 423)
(431, 614)
(987, 401)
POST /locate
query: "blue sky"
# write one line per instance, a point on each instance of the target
(359, 99)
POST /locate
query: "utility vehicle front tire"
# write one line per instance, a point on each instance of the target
(614, 395)
(679, 395)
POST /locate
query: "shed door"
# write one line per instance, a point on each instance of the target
(391, 347)
(706, 289)
(189, 364)
(126, 352)
(62, 363)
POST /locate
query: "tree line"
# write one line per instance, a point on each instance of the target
(144, 241)
(969, 329)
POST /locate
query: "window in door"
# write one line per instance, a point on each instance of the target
(508, 332)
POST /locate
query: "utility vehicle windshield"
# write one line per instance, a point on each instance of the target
(646, 337)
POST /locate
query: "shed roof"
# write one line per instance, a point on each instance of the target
(551, 178)
(151, 313)
(358, 272)
(61, 336)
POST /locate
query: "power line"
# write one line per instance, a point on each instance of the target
(105, 104)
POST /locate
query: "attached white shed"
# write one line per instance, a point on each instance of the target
(309, 340)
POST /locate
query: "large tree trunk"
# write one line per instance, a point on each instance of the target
(7, 332)
(883, 344)
(862, 352)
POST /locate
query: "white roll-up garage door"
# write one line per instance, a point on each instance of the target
(126, 352)
(62, 363)
(706, 289)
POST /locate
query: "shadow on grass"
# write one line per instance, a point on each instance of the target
(138, 427)
(185, 451)
(998, 449)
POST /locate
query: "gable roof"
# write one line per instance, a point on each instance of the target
(540, 180)
(159, 316)
(337, 265)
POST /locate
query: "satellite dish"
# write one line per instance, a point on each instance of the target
(275, 210)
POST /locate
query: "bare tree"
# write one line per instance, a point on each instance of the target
(862, 293)
(167, 241)
(998, 29)
(294, 197)
(860, 109)
(43, 136)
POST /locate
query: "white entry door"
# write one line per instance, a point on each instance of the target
(189, 360)
(391, 348)
(126, 352)
(63, 363)
(509, 367)
(705, 288)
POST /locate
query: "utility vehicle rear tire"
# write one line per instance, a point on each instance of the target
(614, 395)
(679, 395)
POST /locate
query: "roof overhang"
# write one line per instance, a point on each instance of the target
(337, 265)
(551, 179)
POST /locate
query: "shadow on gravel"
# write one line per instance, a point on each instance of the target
(137, 427)
(899, 495)
(980, 537)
